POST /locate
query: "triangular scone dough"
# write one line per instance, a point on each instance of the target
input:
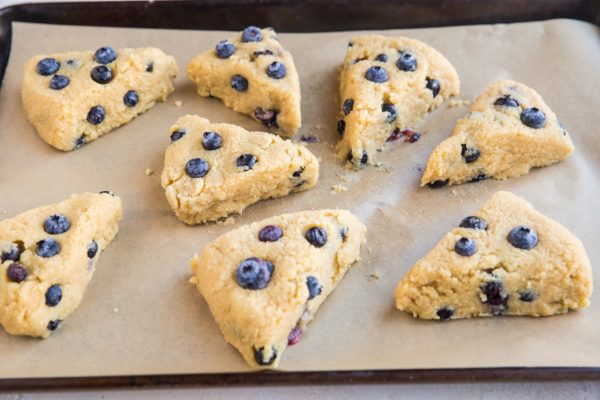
(508, 271)
(240, 77)
(48, 257)
(212, 170)
(387, 85)
(294, 277)
(69, 117)
(492, 140)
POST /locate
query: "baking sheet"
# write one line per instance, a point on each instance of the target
(141, 316)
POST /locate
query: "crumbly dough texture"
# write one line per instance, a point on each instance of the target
(212, 75)
(507, 147)
(23, 308)
(552, 278)
(263, 319)
(366, 129)
(60, 116)
(282, 167)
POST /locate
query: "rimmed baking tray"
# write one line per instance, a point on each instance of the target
(290, 16)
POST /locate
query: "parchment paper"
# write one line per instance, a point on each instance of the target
(141, 316)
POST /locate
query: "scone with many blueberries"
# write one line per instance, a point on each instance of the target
(509, 130)
(387, 85)
(506, 259)
(48, 256)
(265, 281)
(253, 74)
(73, 98)
(213, 170)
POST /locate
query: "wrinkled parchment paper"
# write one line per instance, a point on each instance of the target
(141, 316)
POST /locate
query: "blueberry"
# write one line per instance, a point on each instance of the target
(473, 222)
(150, 67)
(362, 161)
(79, 142)
(316, 236)
(470, 154)
(108, 192)
(341, 127)
(47, 248)
(105, 55)
(276, 70)
(445, 313)
(479, 177)
(376, 74)
(52, 325)
(348, 106)
(58, 82)
(395, 135)
(224, 49)
(72, 63)
(259, 356)
(391, 110)
(16, 272)
(533, 118)
(254, 273)
(96, 115)
(178, 134)
(523, 237)
(527, 296)
(314, 287)
(196, 168)
(239, 83)
(309, 139)
(92, 249)
(411, 136)
(406, 62)
(257, 54)
(53, 295)
(294, 336)
(434, 85)
(267, 117)
(251, 34)
(13, 254)
(131, 98)
(57, 224)
(101, 74)
(381, 57)
(344, 234)
(297, 173)
(246, 161)
(438, 184)
(47, 66)
(506, 101)
(211, 140)
(465, 247)
(270, 233)
(495, 296)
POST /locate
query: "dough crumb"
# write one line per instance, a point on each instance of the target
(452, 103)
(149, 171)
(374, 276)
(226, 221)
(381, 167)
(178, 103)
(4, 212)
(343, 177)
(115, 310)
(454, 192)
(338, 189)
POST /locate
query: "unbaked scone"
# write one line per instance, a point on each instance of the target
(387, 85)
(48, 256)
(509, 130)
(507, 259)
(253, 74)
(73, 98)
(265, 281)
(212, 170)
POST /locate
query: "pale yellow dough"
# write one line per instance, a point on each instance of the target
(60, 116)
(367, 126)
(507, 147)
(23, 308)
(212, 75)
(282, 167)
(258, 322)
(553, 277)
